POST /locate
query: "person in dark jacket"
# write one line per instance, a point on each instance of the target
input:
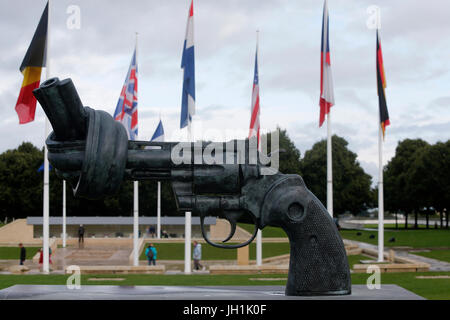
(81, 234)
(23, 254)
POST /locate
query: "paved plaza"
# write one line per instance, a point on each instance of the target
(260, 293)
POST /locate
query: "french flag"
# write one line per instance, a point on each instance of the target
(326, 79)
(158, 136)
(188, 66)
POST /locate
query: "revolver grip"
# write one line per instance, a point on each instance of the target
(318, 262)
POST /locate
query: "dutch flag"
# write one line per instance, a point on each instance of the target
(188, 66)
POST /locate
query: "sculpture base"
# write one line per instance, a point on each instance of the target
(94, 292)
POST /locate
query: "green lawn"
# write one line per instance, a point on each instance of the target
(12, 253)
(412, 238)
(400, 226)
(436, 289)
(355, 259)
(443, 255)
(267, 232)
(428, 288)
(175, 251)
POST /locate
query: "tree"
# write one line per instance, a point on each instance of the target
(428, 178)
(401, 193)
(20, 185)
(351, 185)
(289, 158)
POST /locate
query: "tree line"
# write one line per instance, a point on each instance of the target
(416, 180)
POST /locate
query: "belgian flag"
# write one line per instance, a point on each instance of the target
(381, 81)
(31, 68)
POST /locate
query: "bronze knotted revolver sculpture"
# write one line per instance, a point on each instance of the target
(92, 151)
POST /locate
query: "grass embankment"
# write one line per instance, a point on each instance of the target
(13, 253)
(416, 238)
(427, 288)
(421, 238)
(401, 226)
(443, 255)
(175, 251)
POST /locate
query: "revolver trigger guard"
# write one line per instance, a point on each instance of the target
(229, 246)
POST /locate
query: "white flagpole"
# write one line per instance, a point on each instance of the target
(187, 243)
(259, 234)
(64, 215)
(380, 179)
(380, 196)
(158, 213)
(188, 225)
(136, 207)
(46, 205)
(158, 205)
(329, 167)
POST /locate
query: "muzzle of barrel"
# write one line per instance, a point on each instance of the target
(100, 143)
(63, 108)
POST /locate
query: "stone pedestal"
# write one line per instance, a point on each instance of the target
(242, 256)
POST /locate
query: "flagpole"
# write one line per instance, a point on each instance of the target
(380, 196)
(189, 43)
(46, 205)
(188, 225)
(380, 180)
(136, 203)
(259, 233)
(158, 215)
(64, 215)
(329, 167)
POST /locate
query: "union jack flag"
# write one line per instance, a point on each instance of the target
(126, 110)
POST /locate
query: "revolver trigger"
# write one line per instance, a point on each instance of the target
(232, 231)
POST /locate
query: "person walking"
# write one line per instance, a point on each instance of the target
(154, 254)
(23, 254)
(152, 231)
(151, 253)
(197, 256)
(81, 235)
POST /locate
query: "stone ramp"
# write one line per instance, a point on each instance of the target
(91, 255)
(221, 230)
(16, 232)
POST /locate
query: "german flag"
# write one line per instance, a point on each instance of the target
(31, 68)
(381, 81)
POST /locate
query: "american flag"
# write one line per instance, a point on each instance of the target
(126, 110)
(326, 79)
(254, 120)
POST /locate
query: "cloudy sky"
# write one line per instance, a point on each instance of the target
(96, 56)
